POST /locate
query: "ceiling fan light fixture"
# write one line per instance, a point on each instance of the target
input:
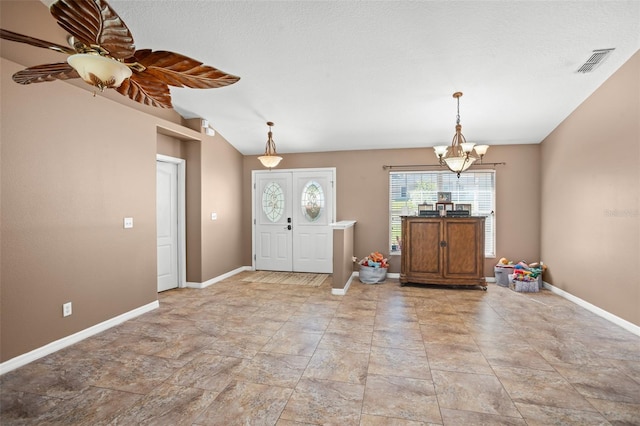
(460, 157)
(270, 159)
(99, 71)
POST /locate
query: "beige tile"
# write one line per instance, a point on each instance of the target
(138, 374)
(540, 387)
(400, 397)
(293, 342)
(457, 357)
(349, 367)
(601, 383)
(208, 371)
(369, 420)
(325, 402)
(348, 341)
(167, 405)
(398, 338)
(513, 354)
(399, 362)
(237, 345)
(541, 415)
(91, 406)
(480, 393)
(473, 418)
(244, 403)
(274, 369)
(617, 413)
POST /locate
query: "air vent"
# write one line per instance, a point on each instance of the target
(597, 57)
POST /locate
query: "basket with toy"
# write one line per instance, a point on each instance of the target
(373, 268)
(527, 277)
(521, 276)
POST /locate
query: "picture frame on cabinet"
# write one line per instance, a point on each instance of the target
(444, 197)
(444, 206)
(465, 207)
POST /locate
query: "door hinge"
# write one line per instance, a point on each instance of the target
(254, 221)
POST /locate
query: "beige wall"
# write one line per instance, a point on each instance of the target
(68, 180)
(362, 189)
(590, 197)
(72, 167)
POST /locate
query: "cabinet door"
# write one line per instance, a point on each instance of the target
(424, 257)
(464, 250)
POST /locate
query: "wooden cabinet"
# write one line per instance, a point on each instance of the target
(445, 251)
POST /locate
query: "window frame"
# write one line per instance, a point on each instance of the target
(482, 196)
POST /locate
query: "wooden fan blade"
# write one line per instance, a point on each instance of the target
(146, 89)
(20, 38)
(93, 22)
(181, 71)
(47, 72)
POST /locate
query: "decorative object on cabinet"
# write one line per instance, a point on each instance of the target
(444, 197)
(458, 213)
(444, 206)
(443, 251)
(425, 206)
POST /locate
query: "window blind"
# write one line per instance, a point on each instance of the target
(408, 189)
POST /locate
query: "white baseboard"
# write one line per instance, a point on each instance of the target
(218, 278)
(343, 291)
(52, 347)
(596, 310)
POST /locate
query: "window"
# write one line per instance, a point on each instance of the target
(409, 189)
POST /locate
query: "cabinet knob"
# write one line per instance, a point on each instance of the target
(443, 243)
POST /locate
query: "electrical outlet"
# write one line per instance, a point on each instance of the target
(214, 216)
(66, 309)
(128, 222)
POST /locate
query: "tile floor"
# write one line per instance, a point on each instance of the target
(239, 353)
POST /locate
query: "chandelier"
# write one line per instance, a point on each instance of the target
(270, 158)
(460, 157)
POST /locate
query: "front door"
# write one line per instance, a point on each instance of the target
(292, 217)
(273, 222)
(167, 224)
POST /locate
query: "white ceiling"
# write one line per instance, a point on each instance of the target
(345, 75)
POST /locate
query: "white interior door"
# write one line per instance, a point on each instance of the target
(273, 222)
(292, 214)
(167, 224)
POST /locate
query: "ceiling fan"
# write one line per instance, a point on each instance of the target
(104, 56)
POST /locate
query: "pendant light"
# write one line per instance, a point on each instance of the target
(270, 158)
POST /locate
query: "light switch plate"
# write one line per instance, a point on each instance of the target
(128, 222)
(214, 216)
